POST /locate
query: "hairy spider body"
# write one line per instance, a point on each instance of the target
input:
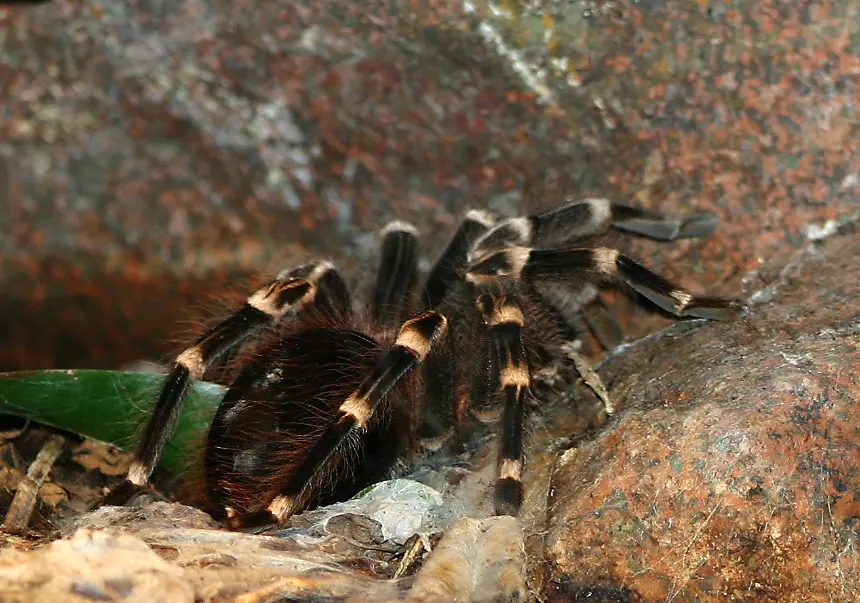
(331, 400)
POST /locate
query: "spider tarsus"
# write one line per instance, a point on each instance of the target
(160, 425)
(251, 522)
(508, 496)
(660, 226)
(670, 298)
(715, 308)
(118, 495)
(698, 224)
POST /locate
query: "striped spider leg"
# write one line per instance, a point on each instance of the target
(576, 303)
(316, 284)
(593, 265)
(324, 430)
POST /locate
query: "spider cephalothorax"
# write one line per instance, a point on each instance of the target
(331, 399)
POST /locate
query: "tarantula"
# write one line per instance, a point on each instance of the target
(330, 399)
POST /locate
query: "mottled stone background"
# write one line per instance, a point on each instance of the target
(154, 154)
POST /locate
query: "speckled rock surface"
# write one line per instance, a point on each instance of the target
(153, 155)
(731, 472)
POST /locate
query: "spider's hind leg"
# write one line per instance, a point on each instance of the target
(600, 265)
(585, 217)
(396, 275)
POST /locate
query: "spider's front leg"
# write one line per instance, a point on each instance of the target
(396, 274)
(315, 285)
(504, 319)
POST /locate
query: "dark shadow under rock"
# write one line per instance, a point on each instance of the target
(731, 471)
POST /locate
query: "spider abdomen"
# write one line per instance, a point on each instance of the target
(276, 410)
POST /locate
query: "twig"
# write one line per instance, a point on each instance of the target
(415, 547)
(26, 495)
(13, 434)
(590, 377)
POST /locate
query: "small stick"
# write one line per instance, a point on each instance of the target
(24, 502)
(15, 433)
(591, 378)
(414, 548)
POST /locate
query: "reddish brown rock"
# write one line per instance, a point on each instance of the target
(151, 158)
(732, 471)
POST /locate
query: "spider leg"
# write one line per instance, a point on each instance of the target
(599, 265)
(503, 316)
(448, 268)
(446, 388)
(664, 227)
(316, 284)
(414, 341)
(397, 273)
(580, 218)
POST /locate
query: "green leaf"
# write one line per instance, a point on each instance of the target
(110, 406)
